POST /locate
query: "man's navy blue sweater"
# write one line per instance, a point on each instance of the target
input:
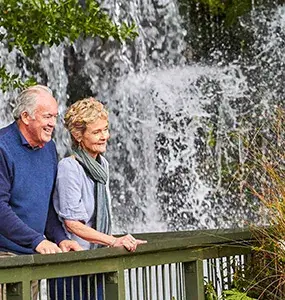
(26, 183)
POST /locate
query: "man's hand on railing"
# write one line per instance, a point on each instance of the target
(129, 242)
(47, 247)
(69, 245)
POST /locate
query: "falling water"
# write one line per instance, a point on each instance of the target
(171, 118)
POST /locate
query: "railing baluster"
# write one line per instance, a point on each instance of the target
(65, 282)
(137, 283)
(39, 290)
(216, 273)
(182, 284)
(144, 282)
(88, 286)
(209, 270)
(222, 273)
(130, 281)
(56, 289)
(170, 281)
(72, 288)
(103, 278)
(194, 281)
(157, 282)
(178, 280)
(93, 285)
(212, 272)
(229, 271)
(80, 287)
(149, 282)
(163, 280)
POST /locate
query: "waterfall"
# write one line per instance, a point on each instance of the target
(171, 117)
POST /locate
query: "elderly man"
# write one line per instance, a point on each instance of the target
(28, 164)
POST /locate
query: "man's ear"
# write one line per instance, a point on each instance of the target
(25, 117)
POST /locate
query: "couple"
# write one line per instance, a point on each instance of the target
(48, 208)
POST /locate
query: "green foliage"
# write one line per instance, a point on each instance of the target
(210, 293)
(211, 139)
(235, 9)
(230, 10)
(234, 294)
(27, 24)
(12, 80)
(264, 179)
(215, 6)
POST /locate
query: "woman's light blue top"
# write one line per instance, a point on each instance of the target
(73, 196)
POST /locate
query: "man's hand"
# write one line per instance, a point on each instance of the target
(68, 245)
(47, 247)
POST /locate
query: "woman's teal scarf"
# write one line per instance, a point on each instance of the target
(97, 170)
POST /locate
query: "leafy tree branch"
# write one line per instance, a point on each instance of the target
(27, 24)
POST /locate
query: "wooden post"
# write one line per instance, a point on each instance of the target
(115, 286)
(194, 280)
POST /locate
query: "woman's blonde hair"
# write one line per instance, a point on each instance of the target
(81, 113)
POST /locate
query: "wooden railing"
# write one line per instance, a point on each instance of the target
(172, 265)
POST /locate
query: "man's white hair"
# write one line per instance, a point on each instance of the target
(26, 100)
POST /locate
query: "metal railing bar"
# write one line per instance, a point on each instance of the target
(151, 281)
(80, 287)
(130, 281)
(178, 280)
(170, 281)
(157, 283)
(163, 281)
(144, 284)
(137, 283)
(103, 278)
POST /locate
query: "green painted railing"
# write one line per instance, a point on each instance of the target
(172, 265)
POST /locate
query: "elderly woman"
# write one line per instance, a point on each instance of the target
(82, 197)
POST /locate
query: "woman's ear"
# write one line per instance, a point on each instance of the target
(77, 136)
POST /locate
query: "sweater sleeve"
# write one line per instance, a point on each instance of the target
(11, 226)
(54, 230)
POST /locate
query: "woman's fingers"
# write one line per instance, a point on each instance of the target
(140, 242)
(129, 242)
(136, 241)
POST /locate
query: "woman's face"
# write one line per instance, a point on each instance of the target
(95, 137)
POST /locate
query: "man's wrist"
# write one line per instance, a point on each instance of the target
(37, 241)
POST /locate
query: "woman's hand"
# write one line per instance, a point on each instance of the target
(128, 241)
(91, 235)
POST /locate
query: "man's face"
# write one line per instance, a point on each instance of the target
(40, 126)
(94, 140)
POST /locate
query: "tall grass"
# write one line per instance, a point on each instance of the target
(264, 179)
